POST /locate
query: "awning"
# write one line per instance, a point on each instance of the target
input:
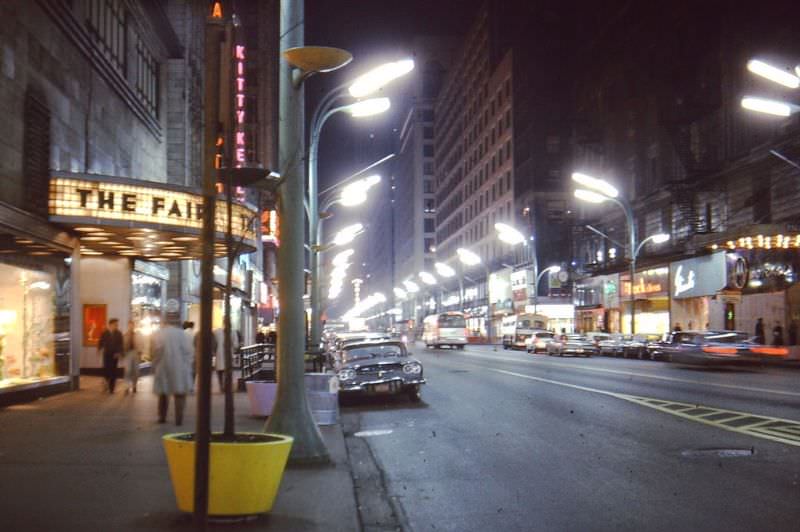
(156, 221)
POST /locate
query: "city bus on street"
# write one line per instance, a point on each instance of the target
(447, 328)
(517, 328)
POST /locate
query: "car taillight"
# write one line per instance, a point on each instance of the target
(772, 351)
(724, 351)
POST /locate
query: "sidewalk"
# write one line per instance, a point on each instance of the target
(86, 460)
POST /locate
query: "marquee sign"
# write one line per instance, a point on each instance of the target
(80, 199)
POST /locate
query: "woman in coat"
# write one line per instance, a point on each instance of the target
(173, 357)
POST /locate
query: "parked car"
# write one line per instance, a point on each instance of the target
(572, 344)
(375, 367)
(713, 348)
(613, 345)
(537, 341)
(638, 346)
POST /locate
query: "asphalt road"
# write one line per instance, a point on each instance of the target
(504, 440)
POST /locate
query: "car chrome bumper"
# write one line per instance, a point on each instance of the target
(364, 386)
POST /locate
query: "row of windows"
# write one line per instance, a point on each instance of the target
(107, 23)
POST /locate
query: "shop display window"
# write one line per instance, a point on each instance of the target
(34, 312)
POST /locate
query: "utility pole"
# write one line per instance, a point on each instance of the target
(291, 414)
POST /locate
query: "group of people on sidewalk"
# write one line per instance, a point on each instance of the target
(173, 351)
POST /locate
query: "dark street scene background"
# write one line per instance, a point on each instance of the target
(317, 265)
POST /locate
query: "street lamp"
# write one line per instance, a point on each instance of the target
(602, 191)
(427, 278)
(364, 85)
(508, 234)
(555, 269)
(356, 192)
(470, 258)
(346, 235)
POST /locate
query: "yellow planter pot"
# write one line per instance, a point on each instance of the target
(243, 476)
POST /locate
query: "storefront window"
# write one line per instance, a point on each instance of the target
(147, 303)
(34, 313)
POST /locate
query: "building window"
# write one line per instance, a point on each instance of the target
(146, 77)
(428, 225)
(427, 186)
(427, 132)
(427, 150)
(107, 26)
(430, 206)
(429, 245)
(427, 168)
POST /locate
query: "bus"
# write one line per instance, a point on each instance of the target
(517, 328)
(447, 328)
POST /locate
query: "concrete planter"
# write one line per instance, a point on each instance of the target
(262, 397)
(244, 475)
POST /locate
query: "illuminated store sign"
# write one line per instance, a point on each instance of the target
(270, 227)
(239, 56)
(698, 276)
(653, 282)
(99, 201)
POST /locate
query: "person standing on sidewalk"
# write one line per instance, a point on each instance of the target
(777, 334)
(133, 357)
(760, 335)
(173, 357)
(111, 345)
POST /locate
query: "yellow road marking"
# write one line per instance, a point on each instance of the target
(783, 434)
(632, 374)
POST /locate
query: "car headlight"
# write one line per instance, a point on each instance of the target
(412, 368)
(347, 375)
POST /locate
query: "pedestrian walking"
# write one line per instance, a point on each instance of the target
(111, 346)
(760, 334)
(172, 366)
(219, 353)
(677, 328)
(777, 334)
(133, 357)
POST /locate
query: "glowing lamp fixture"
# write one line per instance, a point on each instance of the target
(659, 238)
(378, 77)
(356, 192)
(400, 293)
(508, 234)
(468, 257)
(348, 234)
(341, 258)
(777, 75)
(411, 286)
(444, 270)
(598, 185)
(770, 107)
(373, 106)
(589, 196)
(427, 278)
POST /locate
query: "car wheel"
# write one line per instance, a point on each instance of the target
(414, 395)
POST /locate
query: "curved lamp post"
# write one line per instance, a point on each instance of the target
(555, 269)
(600, 191)
(364, 85)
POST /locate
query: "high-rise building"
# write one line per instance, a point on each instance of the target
(502, 141)
(413, 180)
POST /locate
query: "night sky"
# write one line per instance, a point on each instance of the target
(374, 32)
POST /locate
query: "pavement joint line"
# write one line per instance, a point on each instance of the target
(760, 432)
(542, 362)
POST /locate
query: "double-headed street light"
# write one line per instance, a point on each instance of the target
(780, 76)
(363, 86)
(600, 191)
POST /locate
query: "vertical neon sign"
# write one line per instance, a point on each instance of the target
(239, 56)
